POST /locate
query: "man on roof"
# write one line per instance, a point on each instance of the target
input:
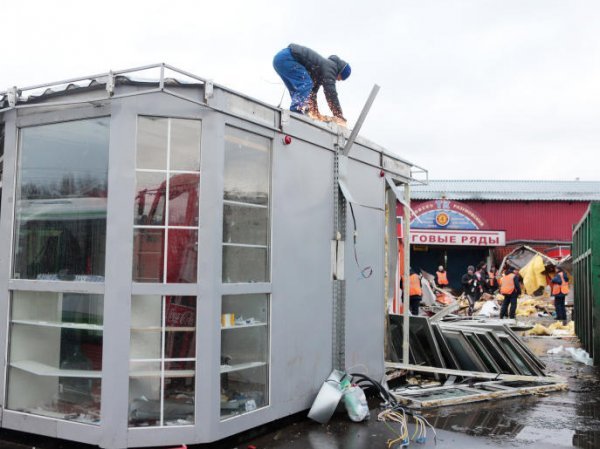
(303, 72)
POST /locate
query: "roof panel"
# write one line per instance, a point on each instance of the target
(524, 190)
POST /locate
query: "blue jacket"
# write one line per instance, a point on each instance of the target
(323, 72)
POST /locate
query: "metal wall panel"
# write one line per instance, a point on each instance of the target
(365, 300)
(586, 285)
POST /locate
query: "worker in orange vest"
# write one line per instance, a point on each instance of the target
(492, 281)
(415, 292)
(441, 277)
(560, 288)
(510, 288)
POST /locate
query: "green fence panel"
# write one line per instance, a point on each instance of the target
(586, 273)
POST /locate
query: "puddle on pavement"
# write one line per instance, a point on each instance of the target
(558, 419)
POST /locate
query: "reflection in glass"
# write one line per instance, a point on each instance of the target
(182, 258)
(60, 211)
(183, 199)
(152, 137)
(162, 385)
(245, 224)
(150, 198)
(245, 264)
(56, 355)
(167, 199)
(144, 394)
(247, 165)
(185, 144)
(148, 255)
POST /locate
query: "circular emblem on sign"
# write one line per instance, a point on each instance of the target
(442, 219)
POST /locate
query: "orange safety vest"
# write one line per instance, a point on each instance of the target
(560, 288)
(415, 285)
(507, 284)
(491, 277)
(442, 278)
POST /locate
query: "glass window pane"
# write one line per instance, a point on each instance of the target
(244, 355)
(247, 166)
(56, 355)
(182, 258)
(185, 144)
(152, 143)
(150, 194)
(148, 255)
(144, 394)
(246, 309)
(61, 201)
(180, 322)
(171, 319)
(245, 224)
(183, 199)
(243, 264)
(179, 393)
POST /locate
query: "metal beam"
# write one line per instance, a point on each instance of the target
(475, 374)
(406, 274)
(361, 119)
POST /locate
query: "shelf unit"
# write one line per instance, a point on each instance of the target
(47, 329)
(241, 366)
(239, 326)
(64, 325)
(244, 369)
(42, 369)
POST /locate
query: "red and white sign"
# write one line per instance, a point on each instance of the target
(462, 238)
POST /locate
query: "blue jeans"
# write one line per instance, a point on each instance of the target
(559, 304)
(295, 77)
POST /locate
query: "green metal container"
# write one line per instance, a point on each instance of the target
(586, 271)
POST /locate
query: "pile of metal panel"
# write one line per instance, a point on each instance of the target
(469, 351)
(467, 347)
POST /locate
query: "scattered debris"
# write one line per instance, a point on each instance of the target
(556, 329)
(580, 355)
(481, 391)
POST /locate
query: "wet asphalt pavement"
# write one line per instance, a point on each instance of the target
(564, 419)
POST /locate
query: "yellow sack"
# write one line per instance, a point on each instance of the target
(533, 275)
(538, 329)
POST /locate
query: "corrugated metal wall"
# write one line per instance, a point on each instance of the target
(586, 269)
(530, 220)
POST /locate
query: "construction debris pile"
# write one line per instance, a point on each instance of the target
(486, 353)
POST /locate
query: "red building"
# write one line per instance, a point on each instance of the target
(461, 223)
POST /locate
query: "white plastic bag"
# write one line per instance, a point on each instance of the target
(556, 350)
(356, 403)
(579, 355)
(489, 309)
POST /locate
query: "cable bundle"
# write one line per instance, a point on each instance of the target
(393, 412)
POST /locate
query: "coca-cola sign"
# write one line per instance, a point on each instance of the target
(181, 316)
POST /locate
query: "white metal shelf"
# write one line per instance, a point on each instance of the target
(238, 326)
(67, 325)
(241, 366)
(41, 369)
(159, 328)
(167, 373)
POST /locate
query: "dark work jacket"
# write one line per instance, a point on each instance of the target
(323, 72)
(469, 288)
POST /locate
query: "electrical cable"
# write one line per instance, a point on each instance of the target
(367, 271)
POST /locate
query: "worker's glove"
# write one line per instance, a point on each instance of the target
(340, 121)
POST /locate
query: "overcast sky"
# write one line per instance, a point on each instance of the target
(470, 89)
